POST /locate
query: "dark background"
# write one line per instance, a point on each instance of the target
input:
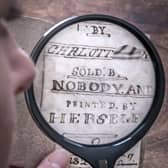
(151, 16)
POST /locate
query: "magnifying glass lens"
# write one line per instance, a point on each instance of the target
(95, 82)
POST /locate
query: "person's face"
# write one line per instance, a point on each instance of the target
(16, 74)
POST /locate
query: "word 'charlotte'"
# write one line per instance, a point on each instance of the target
(82, 51)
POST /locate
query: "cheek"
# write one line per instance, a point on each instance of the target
(7, 108)
(7, 97)
(23, 71)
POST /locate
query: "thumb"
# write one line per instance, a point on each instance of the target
(57, 159)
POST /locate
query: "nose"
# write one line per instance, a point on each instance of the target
(23, 71)
(21, 68)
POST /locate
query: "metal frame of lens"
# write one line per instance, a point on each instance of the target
(111, 151)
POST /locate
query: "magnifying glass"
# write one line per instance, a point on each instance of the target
(99, 87)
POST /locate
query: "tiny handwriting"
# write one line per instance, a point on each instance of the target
(76, 161)
(91, 138)
(124, 52)
(130, 160)
(127, 164)
(101, 88)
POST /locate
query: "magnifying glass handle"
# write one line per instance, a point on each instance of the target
(104, 164)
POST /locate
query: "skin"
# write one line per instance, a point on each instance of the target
(16, 75)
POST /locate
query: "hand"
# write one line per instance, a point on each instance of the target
(57, 159)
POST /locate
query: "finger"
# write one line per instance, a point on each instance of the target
(57, 159)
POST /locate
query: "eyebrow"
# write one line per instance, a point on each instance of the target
(14, 12)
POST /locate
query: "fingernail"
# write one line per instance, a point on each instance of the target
(54, 165)
(59, 158)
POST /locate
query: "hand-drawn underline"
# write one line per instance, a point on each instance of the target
(127, 164)
(90, 135)
(100, 94)
(98, 78)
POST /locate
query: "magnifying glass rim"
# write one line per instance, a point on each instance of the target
(134, 136)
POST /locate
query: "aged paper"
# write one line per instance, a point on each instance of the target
(131, 159)
(98, 85)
